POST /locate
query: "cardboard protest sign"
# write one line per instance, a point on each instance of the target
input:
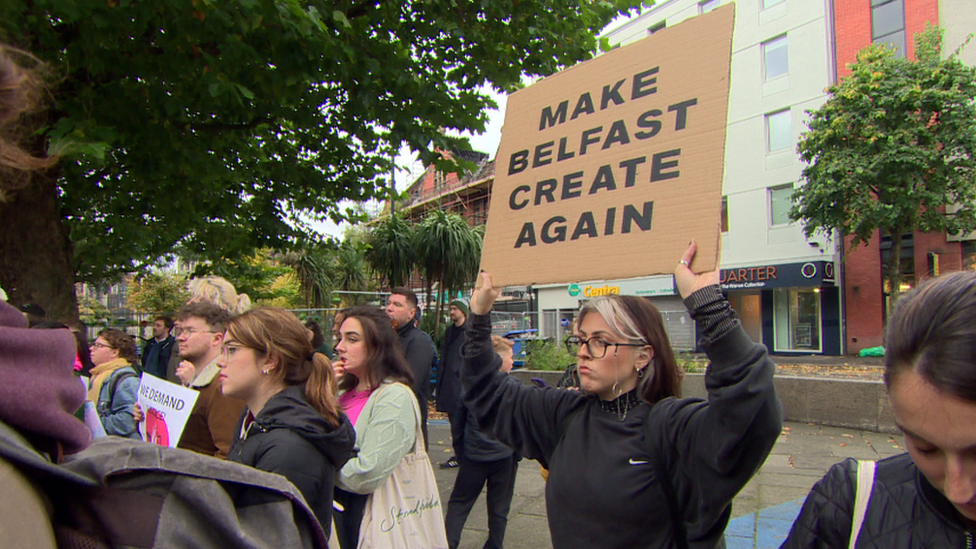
(166, 407)
(608, 169)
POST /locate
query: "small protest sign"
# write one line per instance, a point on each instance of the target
(607, 169)
(166, 407)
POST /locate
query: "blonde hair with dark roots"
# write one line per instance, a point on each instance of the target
(279, 334)
(20, 94)
(636, 320)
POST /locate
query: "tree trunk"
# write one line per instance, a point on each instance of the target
(35, 252)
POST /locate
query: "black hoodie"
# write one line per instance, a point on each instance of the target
(292, 439)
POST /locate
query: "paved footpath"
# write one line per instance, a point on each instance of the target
(762, 513)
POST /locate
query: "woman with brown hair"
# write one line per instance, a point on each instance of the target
(375, 392)
(630, 464)
(292, 424)
(114, 382)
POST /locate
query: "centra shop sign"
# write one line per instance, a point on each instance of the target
(592, 291)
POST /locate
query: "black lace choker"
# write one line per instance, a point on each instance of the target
(622, 404)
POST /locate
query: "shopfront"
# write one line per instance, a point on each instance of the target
(559, 303)
(792, 308)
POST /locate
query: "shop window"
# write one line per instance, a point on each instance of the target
(906, 266)
(780, 202)
(888, 24)
(797, 319)
(775, 58)
(969, 255)
(779, 131)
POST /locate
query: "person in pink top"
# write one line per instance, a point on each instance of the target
(375, 393)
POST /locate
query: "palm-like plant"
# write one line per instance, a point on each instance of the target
(391, 252)
(314, 279)
(350, 271)
(449, 252)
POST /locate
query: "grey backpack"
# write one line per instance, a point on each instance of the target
(121, 493)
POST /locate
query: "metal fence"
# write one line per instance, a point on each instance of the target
(503, 323)
(139, 325)
(551, 324)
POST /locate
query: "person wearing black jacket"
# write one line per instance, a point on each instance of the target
(483, 460)
(292, 424)
(449, 375)
(401, 307)
(927, 497)
(630, 465)
(157, 351)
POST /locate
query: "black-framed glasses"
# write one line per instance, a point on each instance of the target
(596, 346)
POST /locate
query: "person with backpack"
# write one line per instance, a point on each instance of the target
(114, 382)
(631, 465)
(927, 496)
(292, 424)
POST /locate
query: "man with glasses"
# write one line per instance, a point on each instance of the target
(199, 336)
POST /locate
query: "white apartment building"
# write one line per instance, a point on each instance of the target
(782, 284)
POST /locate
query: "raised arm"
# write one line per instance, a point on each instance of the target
(526, 418)
(714, 447)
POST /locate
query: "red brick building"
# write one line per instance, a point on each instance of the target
(466, 194)
(858, 23)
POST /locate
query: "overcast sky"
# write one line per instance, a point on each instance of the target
(409, 169)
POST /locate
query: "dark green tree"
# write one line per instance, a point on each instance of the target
(448, 254)
(893, 150)
(311, 266)
(215, 125)
(391, 252)
(350, 271)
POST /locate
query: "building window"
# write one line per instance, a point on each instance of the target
(779, 131)
(780, 202)
(708, 5)
(775, 58)
(888, 24)
(906, 266)
(797, 319)
(656, 27)
(769, 3)
(725, 214)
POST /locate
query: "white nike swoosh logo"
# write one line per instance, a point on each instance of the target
(638, 461)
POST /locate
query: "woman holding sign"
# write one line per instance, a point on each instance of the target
(630, 464)
(292, 424)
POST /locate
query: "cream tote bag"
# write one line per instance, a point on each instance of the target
(405, 511)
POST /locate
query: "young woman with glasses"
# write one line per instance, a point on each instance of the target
(292, 424)
(630, 464)
(114, 382)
